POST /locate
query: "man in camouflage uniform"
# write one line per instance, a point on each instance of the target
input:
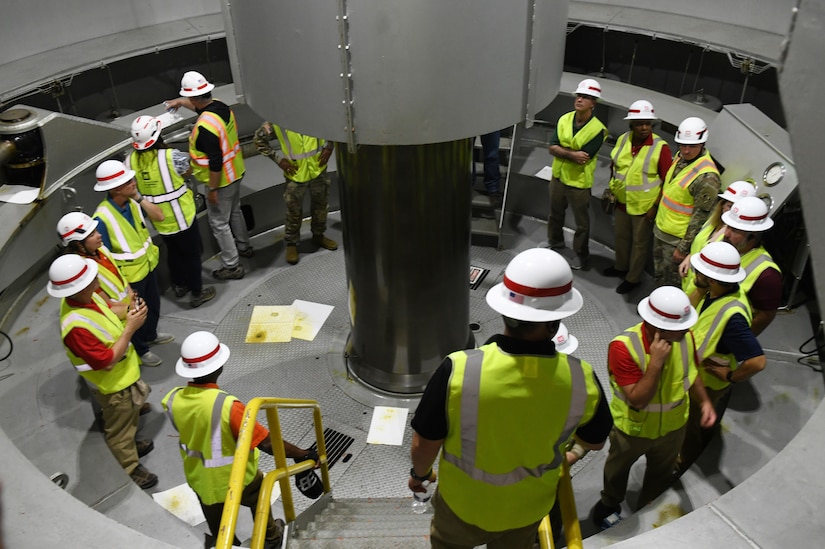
(304, 161)
(689, 193)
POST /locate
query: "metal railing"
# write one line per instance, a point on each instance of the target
(569, 515)
(281, 474)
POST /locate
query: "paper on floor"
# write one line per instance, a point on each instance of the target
(387, 426)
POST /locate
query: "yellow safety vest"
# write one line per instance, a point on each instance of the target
(114, 285)
(571, 173)
(132, 248)
(207, 444)
(756, 262)
(106, 327)
(636, 180)
(233, 165)
(709, 328)
(668, 409)
(702, 239)
(302, 150)
(510, 418)
(676, 206)
(159, 182)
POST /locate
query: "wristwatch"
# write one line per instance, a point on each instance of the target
(140, 199)
(423, 478)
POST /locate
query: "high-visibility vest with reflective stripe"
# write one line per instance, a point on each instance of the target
(233, 165)
(207, 444)
(113, 285)
(132, 248)
(302, 150)
(571, 173)
(510, 418)
(159, 182)
(701, 240)
(668, 409)
(636, 180)
(107, 328)
(756, 262)
(676, 205)
(709, 328)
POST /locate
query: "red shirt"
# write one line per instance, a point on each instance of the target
(260, 432)
(85, 344)
(624, 370)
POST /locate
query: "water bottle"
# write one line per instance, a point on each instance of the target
(421, 500)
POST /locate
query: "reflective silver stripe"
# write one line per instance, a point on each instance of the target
(625, 137)
(112, 289)
(172, 194)
(289, 153)
(216, 439)
(469, 425)
(127, 254)
(72, 317)
(756, 263)
(648, 184)
(638, 347)
(216, 122)
(676, 207)
(83, 367)
(168, 197)
(703, 350)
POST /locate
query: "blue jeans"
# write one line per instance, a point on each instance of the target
(492, 173)
(149, 290)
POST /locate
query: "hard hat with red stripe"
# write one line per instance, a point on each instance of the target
(668, 308)
(719, 261)
(641, 110)
(145, 132)
(748, 214)
(201, 354)
(112, 174)
(70, 274)
(537, 287)
(590, 87)
(737, 190)
(692, 131)
(194, 84)
(75, 226)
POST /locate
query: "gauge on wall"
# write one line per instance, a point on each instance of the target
(773, 174)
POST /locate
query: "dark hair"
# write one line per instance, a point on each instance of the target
(210, 378)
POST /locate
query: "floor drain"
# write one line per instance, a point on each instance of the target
(336, 444)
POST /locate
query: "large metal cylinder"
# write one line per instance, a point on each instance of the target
(406, 214)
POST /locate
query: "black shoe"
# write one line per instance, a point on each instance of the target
(180, 291)
(247, 252)
(613, 271)
(144, 447)
(600, 512)
(145, 409)
(276, 542)
(626, 287)
(496, 200)
(229, 273)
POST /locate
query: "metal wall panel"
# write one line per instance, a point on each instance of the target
(416, 72)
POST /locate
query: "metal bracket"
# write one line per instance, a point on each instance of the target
(346, 74)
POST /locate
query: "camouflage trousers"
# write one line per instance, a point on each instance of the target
(665, 271)
(294, 199)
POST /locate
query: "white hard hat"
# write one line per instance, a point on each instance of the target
(201, 354)
(75, 226)
(590, 87)
(145, 132)
(748, 214)
(112, 174)
(719, 261)
(737, 190)
(537, 287)
(194, 84)
(70, 274)
(640, 110)
(692, 131)
(668, 308)
(565, 343)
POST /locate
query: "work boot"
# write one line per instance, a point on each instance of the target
(291, 254)
(626, 287)
(207, 293)
(144, 447)
(496, 200)
(324, 242)
(161, 338)
(613, 271)
(247, 252)
(150, 359)
(275, 537)
(229, 273)
(601, 512)
(180, 291)
(143, 478)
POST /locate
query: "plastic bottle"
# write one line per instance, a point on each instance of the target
(421, 500)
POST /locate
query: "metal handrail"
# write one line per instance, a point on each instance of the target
(569, 515)
(282, 472)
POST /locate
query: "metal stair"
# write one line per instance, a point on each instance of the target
(485, 223)
(363, 524)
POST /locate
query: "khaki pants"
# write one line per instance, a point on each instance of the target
(120, 422)
(579, 200)
(633, 235)
(450, 532)
(625, 450)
